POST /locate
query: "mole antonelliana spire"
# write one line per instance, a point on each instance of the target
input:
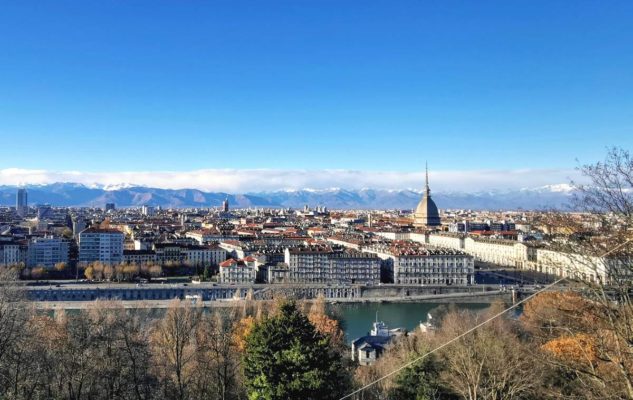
(426, 213)
(428, 191)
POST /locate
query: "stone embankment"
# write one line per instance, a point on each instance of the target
(72, 295)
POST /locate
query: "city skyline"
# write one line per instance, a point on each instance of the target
(113, 88)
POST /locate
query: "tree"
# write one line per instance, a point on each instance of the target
(174, 348)
(419, 382)
(97, 269)
(600, 251)
(218, 367)
(67, 233)
(38, 272)
(101, 353)
(108, 272)
(205, 273)
(155, 271)
(131, 271)
(13, 319)
(328, 327)
(60, 266)
(119, 272)
(286, 358)
(89, 273)
(489, 363)
(241, 330)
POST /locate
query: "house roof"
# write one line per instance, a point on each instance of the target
(228, 263)
(375, 341)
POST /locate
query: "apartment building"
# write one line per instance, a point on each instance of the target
(322, 264)
(46, 252)
(238, 271)
(11, 252)
(491, 251)
(413, 263)
(140, 257)
(103, 245)
(204, 255)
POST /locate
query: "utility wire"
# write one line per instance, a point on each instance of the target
(410, 363)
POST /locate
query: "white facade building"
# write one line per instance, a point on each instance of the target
(204, 255)
(491, 251)
(10, 253)
(455, 242)
(242, 271)
(104, 245)
(322, 265)
(411, 263)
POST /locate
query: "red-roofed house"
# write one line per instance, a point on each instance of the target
(242, 271)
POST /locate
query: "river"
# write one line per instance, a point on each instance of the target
(357, 318)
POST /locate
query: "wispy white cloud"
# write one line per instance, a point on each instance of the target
(254, 180)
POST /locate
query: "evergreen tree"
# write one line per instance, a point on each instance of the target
(287, 359)
(205, 273)
(420, 382)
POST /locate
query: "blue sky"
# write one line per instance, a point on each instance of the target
(113, 86)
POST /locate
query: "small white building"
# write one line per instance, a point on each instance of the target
(204, 255)
(10, 253)
(238, 271)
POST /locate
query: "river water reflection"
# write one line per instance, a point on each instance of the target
(358, 317)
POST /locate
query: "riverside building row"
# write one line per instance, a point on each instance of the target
(324, 264)
(412, 264)
(305, 264)
(526, 255)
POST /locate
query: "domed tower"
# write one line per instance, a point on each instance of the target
(426, 214)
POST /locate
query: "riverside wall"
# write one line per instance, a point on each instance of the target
(128, 292)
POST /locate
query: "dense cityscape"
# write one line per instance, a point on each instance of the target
(313, 245)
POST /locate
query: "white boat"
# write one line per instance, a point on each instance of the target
(427, 326)
(379, 328)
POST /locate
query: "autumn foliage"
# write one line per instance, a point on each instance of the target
(241, 331)
(576, 348)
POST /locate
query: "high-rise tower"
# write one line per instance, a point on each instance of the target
(21, 202)
(225, 205)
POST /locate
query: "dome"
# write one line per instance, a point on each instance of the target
(426, 213)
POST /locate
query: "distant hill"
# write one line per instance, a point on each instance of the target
(72, 194)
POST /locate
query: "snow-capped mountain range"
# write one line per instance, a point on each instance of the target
(126, 195)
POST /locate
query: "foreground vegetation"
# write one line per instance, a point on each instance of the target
(561, 347)
(187, 353)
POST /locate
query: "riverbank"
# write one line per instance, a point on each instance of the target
(484, 297)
